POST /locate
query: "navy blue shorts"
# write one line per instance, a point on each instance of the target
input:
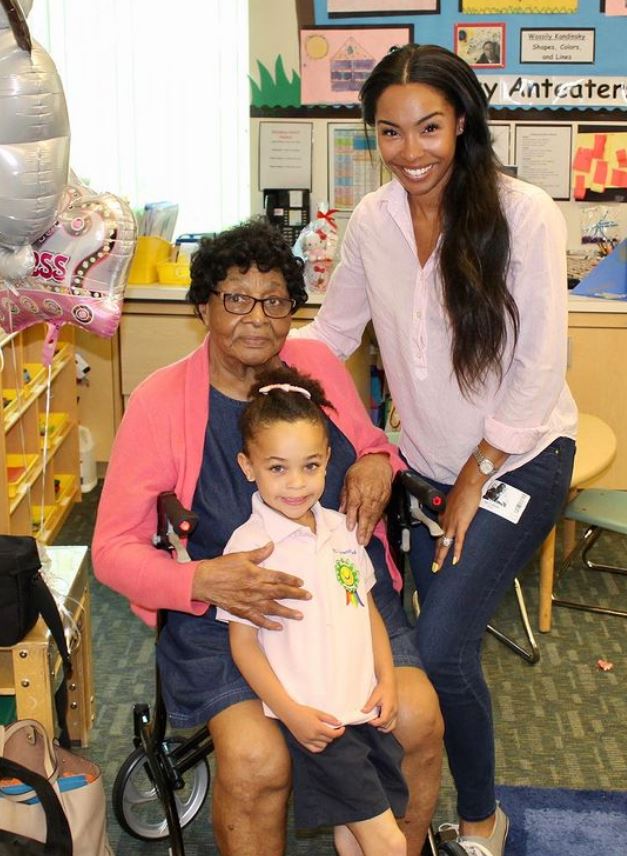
(357, 777)
(198, 675)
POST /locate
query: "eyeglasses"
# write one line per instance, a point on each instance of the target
(243, 304)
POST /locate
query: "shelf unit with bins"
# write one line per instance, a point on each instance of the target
(33, 478)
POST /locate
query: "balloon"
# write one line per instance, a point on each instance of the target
(80, 269)
(34, 140)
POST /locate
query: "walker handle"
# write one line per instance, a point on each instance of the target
(171, 513)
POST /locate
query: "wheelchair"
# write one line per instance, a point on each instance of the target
(163, 784)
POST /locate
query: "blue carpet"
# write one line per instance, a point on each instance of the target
(560, 822)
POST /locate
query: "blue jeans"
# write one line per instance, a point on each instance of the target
(458, 602)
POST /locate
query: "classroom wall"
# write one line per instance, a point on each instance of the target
(274, 32)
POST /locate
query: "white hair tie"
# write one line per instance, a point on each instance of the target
(286, 387)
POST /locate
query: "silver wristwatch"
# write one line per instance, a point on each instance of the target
(485, 464)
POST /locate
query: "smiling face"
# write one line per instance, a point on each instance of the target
(417, 132)
(288, 461)
(245, 341)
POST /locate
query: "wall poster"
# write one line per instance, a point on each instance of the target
(481, 45)
(335, 61)
(347, 8)
(354, 165)
(542, 157)
(285, 155)
(600, 163)
(560, 45)
(522, 7)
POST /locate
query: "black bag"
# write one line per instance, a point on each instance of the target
(58, 835)
(24, 596)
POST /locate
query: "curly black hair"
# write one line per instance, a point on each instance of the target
(253, 242)
(281, 405)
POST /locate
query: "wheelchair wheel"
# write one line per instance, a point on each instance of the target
(137, 806)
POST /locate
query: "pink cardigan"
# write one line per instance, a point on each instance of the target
(159, 447)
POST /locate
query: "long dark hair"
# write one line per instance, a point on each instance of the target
(475, 247)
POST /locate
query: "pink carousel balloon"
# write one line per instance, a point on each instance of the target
(80, 269)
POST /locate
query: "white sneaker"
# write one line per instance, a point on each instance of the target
(494, 845)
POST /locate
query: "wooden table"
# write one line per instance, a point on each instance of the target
(29, 669)
(596, 448)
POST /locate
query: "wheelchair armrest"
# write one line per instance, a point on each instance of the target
(172, 517)
(427, 495)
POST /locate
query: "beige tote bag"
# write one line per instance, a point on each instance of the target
(27, 743)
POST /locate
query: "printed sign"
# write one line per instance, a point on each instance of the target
(561, 45)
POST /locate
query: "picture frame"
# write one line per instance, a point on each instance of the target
(614, 8)
(354, 8)
(481, 45)
(335, 61)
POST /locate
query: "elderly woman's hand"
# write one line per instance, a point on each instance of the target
(236, 583)
(366, 491)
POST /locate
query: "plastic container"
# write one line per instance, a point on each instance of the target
(19, 468)
(174, 273)
(149, 252)
(89, 475)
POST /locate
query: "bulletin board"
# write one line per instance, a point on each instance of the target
(552, 71)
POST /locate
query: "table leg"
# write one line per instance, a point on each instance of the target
(547, 571)
(33, 685)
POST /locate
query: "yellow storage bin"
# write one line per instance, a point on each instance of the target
(51, 513)
(57, 423)
(19, 467)
(34, 374)
(149, 252)
(9, 402)
(64, 487)
(174, 273)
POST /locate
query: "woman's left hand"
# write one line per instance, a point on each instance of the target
(366, 491)
(462, 503)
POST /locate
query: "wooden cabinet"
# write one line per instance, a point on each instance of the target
(597, 376)
(39, 451)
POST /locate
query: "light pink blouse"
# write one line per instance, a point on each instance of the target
(379, 278)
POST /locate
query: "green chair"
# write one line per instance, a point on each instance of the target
(600, 511)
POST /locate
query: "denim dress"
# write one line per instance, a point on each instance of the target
(199, 677)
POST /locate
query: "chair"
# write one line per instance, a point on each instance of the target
(601, 511)
(596, 448)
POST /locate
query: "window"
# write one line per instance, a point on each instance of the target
(158, 99)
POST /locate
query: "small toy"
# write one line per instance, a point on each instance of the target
(316, 245)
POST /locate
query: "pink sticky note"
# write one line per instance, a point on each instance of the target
(621, 157)
(580, 187)
(619, 178)
(583, 159)
(600, 173)
(599, 145)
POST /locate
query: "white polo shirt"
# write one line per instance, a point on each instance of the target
(326, 660)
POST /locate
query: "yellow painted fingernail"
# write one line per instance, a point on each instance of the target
(455, 560)
(435, 567)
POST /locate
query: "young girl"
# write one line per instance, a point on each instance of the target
(329, 678)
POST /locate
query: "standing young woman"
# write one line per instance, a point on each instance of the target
(462, 270)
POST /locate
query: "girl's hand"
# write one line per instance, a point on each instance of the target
(314, 729)
(383, 696)
(366, 491)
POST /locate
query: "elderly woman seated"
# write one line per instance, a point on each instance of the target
(180, 432)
